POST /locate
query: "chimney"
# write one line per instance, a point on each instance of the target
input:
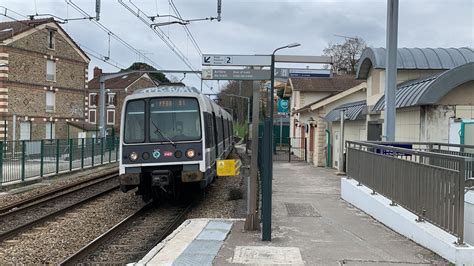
(97, 72)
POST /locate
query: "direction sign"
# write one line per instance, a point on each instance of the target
(235, 74)
(302, 72)
(282, 106)
(236, 60)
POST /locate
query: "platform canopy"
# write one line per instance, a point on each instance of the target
(352, 111)
(429, 90)
(415, 58)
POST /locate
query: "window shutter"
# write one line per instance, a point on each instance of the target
(115, 100)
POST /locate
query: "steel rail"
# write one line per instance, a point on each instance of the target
(76, 258)
(47, 195)
(23, 227)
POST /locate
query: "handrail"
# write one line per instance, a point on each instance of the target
(429, 184)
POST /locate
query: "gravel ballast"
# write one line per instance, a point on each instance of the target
(219, 201)
(54, 241)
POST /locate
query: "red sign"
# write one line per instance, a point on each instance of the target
(168, 154)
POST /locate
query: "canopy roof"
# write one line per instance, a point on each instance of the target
(415, 58)
(352, 111)
(429, 90)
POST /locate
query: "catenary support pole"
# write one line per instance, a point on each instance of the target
(391, 70)
(252, 221)
(102, 107)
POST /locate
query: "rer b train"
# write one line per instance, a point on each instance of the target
(170, 139)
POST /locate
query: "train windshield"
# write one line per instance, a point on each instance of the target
(174, 119)
(135, 122)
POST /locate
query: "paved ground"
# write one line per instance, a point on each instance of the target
(333, 232)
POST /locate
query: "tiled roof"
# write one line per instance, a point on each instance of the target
(118, 83)
(334, 84)
(20, 26)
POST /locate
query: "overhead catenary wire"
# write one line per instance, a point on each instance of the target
(144, 18)
(86, 49)
(112, 34)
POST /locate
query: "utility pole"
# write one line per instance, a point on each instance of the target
(391, 70)
(252, 221)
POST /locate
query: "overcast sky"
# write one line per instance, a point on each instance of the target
(257, 27)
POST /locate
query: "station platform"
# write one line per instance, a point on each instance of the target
(312, 225)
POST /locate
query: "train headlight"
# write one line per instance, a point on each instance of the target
(133, 156)
(190, 153)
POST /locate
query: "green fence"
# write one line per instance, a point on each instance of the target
(23, 159)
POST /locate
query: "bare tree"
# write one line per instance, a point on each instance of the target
(346, 55)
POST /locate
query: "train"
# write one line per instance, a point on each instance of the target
(170, 139)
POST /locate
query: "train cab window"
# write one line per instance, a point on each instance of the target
(176, 119)
(135, 122)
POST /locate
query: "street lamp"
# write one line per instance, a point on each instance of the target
(268, 155)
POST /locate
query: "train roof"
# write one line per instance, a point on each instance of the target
(169, 89)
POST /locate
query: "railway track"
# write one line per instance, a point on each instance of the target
(23, 215)
(133, 237)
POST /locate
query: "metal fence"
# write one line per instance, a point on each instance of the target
(23, 159)
(429, 184)
(290, 149)
(443, 148)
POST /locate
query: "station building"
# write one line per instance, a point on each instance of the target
(434, 100)
(43, 73)
(303, 92)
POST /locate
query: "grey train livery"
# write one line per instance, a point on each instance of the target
(170, 138)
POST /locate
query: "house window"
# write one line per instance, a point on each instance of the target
(92, 117)
(110, 117)
(50, 101)
(51, 70)
(93, 99)
(51, 39)
(111, 99)
(50, 130)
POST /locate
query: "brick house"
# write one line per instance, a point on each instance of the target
(116, 91)
(42, 80)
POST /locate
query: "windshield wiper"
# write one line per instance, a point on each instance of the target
(162, 134)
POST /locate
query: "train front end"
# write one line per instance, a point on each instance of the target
(162, 147)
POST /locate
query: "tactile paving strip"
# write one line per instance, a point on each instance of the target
(301, 210)
(203, 249)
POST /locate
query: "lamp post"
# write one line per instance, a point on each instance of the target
(268, 155)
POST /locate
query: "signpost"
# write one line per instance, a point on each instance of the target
(302, 73)
(236, 60)
(235, 74)
(282, 106)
